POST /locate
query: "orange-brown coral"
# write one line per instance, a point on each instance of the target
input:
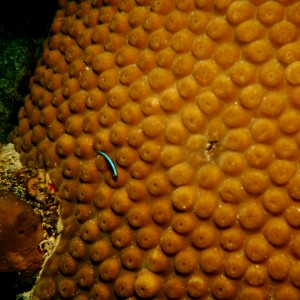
(196, 103)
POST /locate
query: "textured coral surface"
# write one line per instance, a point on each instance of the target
(197, 104)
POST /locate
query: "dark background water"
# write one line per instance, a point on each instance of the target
(24, 25)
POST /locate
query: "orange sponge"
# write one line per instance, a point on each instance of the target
(20, 235)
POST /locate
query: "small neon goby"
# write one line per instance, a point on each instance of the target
(110, 162)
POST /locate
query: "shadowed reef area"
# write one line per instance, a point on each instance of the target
(24, 25)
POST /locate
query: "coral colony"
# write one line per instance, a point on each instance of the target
(170, 132)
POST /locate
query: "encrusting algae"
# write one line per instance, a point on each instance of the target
(196, 104)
